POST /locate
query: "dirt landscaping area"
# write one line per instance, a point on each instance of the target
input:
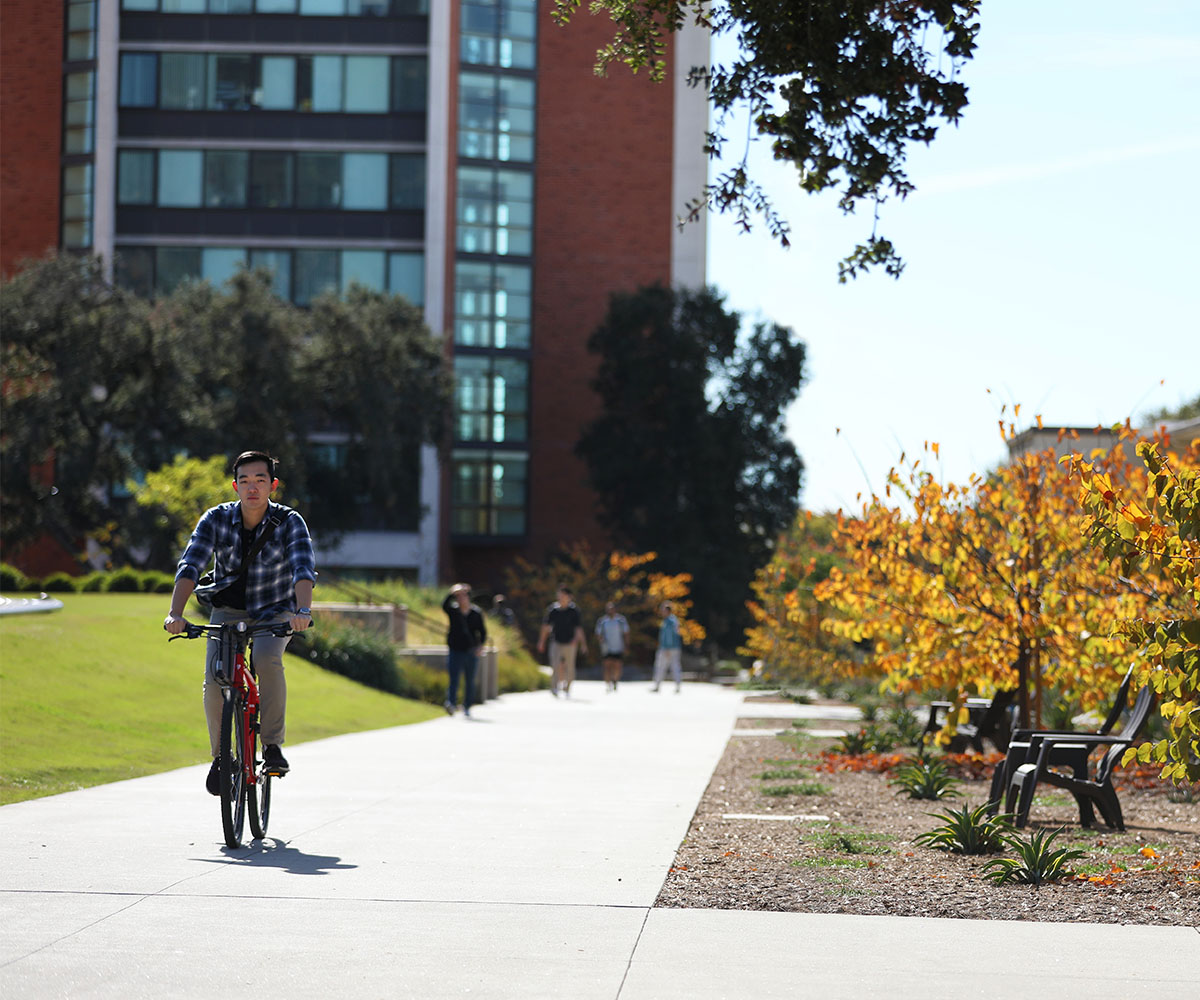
(847, 844)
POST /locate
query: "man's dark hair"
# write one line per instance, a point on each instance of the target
(246, 457)
(566, 590)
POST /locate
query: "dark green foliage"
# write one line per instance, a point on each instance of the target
(871, 738)
(968, 831)
(157, 582)
(102, 387)
(840, 89)
(1037, 861)
(59, 583)
(804, 788)
(689, 455)
(909, 729)
(123, 581)
(12, 580)
(93, 583)
(925, 779)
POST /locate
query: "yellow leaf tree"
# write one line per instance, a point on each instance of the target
(1153, 545)
(985, 587)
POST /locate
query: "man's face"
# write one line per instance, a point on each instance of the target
(254, 485)
(564, 598)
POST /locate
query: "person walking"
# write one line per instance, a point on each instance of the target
(465, 636)
(613, 632)
(670, 649)
(263, 571)
(563, 627)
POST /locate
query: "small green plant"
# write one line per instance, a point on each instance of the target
(843, 841)
(1036, 862)
(925, 779)
(782, 774)
(968, 831)
(909, 729)
(854, 742)
(805, 788)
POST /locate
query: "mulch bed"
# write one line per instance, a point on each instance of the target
(860, 857)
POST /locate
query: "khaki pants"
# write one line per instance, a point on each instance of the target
(272, 687)
(562, 655)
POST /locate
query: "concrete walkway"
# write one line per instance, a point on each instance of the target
(515, 855)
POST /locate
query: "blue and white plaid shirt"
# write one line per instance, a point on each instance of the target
(271, 579)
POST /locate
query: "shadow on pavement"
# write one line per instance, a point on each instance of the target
(272, 853)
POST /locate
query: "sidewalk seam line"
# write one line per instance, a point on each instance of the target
(633, 952)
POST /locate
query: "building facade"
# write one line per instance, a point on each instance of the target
(459, 152)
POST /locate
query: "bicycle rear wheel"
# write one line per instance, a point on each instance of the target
(258, 795)
(233, 775)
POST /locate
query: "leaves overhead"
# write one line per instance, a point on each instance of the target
(840, 89)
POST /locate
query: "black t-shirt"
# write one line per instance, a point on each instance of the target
(563, 622)
(234, 596)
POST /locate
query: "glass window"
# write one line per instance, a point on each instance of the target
(230, 82)
(318, 180)
(331, 8)
(491, 399)
(514, 122)
(219, 264)
(279, 263)
(135, 177)
(408, 180)
(79, 113)
(364, 267)
(174, 265)
(410, 81)
(316, 272)
(406, 276)
(275, 6)
(270, 179)
(471, 403)
(514, 212)
(81, 33)
(365, 181)
(77, 205)
(139, 4)
(139, 76)
(134, 268)
(181, 82)
(472, 290)
(477, 115)
(510, 400)
(319, 83)
(225, 175)
(276, 88)
(488, 493)
(366, 83)
(367, 8)
(476, 210)
(183, 6)
(229, 6)
(492, 305)
(180, 178)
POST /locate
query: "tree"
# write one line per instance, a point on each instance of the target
(839, 87)
(1154, 548)
(988, 586)
(689, 455)
(175, 495)
(374, 374)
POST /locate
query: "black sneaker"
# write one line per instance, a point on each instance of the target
(273, 759)
(213, 781)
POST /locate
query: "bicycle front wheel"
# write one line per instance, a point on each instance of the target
(258, 795)
(233, 775)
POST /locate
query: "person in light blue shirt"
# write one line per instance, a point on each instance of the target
(613, 631)
(670, 649)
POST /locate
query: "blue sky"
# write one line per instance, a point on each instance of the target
(1052, 249)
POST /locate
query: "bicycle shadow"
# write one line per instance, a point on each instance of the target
(274, 853)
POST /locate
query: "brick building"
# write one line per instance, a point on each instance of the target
(460, 152)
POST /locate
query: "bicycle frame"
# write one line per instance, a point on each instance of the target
(245, 683)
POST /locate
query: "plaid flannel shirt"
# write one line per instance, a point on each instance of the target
(271, 579)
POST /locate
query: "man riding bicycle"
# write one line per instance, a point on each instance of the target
(274, 584)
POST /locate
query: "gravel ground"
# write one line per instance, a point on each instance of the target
(850, 848)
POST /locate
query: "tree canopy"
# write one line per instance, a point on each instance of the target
(840, 88)
(689, 455)
(101, 387)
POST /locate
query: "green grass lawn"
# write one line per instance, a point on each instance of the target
(93, 693)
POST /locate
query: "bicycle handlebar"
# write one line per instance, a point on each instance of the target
(191, 631)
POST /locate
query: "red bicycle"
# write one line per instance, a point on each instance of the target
(245, 781)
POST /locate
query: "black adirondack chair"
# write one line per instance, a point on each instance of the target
(1020, 747)
(987, 719)
(1092, 789)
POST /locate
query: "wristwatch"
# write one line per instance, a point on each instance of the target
(304, 611)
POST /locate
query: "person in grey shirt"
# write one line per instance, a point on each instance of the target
(613, 631)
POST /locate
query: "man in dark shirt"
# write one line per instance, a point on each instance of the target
(563, 626)
(465, 635)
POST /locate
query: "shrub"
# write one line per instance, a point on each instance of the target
(157, 582)
(93, 583)
(909, 729)
(925, 779)
(352, 652)
(518, 672)
(59, 583)
(1035, 862)
(123, 581)
(968, 831)
(804, 788)
(13, 581)
(423, 683)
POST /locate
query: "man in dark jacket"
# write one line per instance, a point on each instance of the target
(465, 636)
